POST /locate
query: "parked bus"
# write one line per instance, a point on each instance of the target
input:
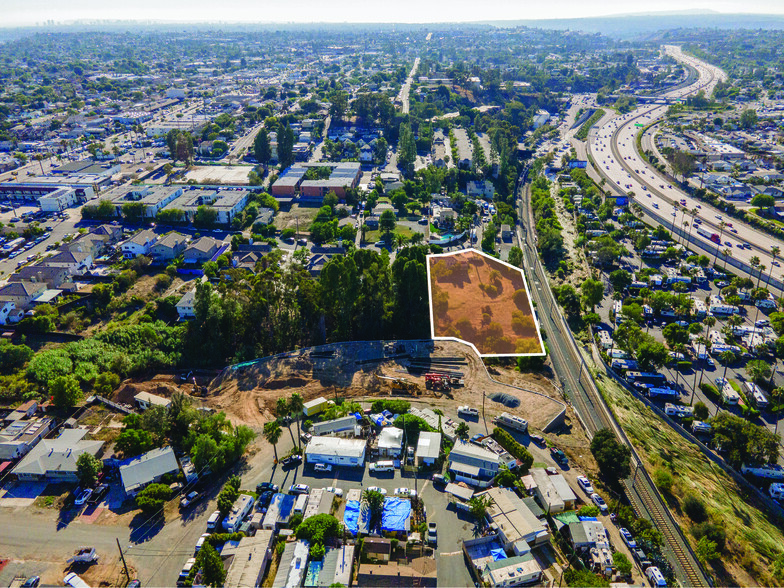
(12, 246)
(646, 378)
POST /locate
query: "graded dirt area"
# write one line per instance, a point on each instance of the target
(483, 301)
(357, 371)
(220, 174)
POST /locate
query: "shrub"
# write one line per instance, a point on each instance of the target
(514, 448)
(712, 531)
(663, 480)
(393, 406)
(694, 508)
(710, 391)
(152, 498)
(589, 510)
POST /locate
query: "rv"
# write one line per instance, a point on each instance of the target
(756, 395)
(646, 378)
(655, 577)
(701, 427)
(776, 491)
(605, 339)
(301, 504)
(678, 411)
(767, 303)
(511, 421)
(729, 394)
(623, 364)
(242, 506)
(771, 471)
(662, 393)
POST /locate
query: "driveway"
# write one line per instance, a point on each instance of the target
(21, 493)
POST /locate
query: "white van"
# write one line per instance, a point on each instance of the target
(701, 427)
(382, 466)
(75, 581)
(212, 522)
(655, 577)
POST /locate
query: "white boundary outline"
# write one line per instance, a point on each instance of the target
(527, 292)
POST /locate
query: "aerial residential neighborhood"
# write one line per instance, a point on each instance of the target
(489, 303)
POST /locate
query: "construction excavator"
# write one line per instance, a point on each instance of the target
(399, 385)
(438, 382)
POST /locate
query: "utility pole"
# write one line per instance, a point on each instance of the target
(122, 557)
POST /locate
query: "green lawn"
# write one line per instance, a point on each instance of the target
(373, 236)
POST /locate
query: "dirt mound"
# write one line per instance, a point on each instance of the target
(505, 399)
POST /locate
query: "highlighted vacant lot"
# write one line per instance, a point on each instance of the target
(482, 301)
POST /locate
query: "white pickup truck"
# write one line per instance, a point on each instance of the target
(467, 410)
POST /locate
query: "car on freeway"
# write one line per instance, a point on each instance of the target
(336, 491)
(322, 467)
(585, 484)
(82, 496)
(291, 460)
(264, 486)
(189, 499)
(299, 489)
(405, 492)
(599, 501)
(627, 538)
(381, 491)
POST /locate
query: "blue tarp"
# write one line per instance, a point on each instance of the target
(387, 414)
(588, 518)
(497, 554)
(396, 516)
(379, 420)
(351, 516)
(357, 416)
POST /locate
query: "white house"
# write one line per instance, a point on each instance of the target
(390, 442)
(185, 305)
(428, 448)
(139, 244)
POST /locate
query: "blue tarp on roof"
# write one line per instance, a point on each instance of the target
(498, 553)
(357, 416)
(379, 420)
(351, 516)
(396, 516)
(387, 414)
(587, 518)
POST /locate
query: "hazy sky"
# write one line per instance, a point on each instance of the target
(25, 12)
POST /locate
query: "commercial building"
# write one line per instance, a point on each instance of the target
(250, 561)
(148, 468)
(56, 194)
(54, 460)
(153, 198)
(336, 451)
(226, 202)
(342, 176)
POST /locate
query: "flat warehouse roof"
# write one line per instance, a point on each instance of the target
(336, 446)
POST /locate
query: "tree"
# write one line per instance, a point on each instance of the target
(758, 370)
(297, 405)
(706, 549)
(65, 391)
(406, 148)
(387, 222)
(87, 468)
(319, 528)
(593, 293)
(620, 279)
(611, 456)
(152, 498)
(375, 502)
(651, 354)
(674, 334)
(133, 212)
(744, 442)
(13, 357)
(133, 442)
(748, 118)
(701, 411)
(272, 433)
(338, 104)
(285, 146)
(261, 147)
(212, 570)
(622, 563)
(462, 431)
(516, 256)
(227, 497)
(205, 217)
(682, 163)
(205, 451)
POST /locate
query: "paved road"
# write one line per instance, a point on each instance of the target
(402, 97)
(240, 145)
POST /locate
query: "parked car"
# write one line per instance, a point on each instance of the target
(585, 484)
(432, 533)
(264, 486)
(82, 497)
(200, 542)
(439, 479)
(291, 460)
(31, 582)
(299, 489)
(305, 438)
(405, 492)
(322, 467)
(627, 538)
(599, 501)
(186, 501)
(539, 440)
(381, 491)
(99, 493)
(264, 499)
(558, 455)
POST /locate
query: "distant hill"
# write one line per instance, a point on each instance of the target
(634, 25)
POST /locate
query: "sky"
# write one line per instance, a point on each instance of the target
(32, 12)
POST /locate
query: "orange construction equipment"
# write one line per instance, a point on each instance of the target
(436, 382)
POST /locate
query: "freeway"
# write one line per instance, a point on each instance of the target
(579, 387)
(613, 148)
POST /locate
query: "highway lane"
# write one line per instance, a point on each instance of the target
(613, 148)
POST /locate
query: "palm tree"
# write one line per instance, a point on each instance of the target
(282, 410)
(754, 262)
(462, 431)
(722, 224)
(775, 250)
(726, 358)
(296, 405)
(478, 506)
(375, 502)
(272, 433)
(726, 253)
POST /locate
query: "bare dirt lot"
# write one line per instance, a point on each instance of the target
(220, 174)
(483, 301)
(350, 370)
